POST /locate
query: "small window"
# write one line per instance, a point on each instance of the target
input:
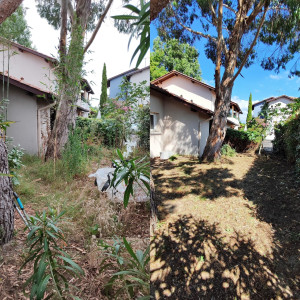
(153, 121)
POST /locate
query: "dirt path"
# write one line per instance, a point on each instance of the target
(228, 230)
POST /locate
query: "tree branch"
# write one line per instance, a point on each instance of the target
(8, 7)
(251, 47)
(256, 11)
(98, 26)
(230, 8)
(207, 36)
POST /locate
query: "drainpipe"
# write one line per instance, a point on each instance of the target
(39, 126)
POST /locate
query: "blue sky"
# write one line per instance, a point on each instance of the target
(261, 83)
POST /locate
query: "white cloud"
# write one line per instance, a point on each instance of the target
(275, 77)
(209, 82)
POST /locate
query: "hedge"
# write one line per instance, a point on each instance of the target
(109, 132)
(239, 140)
(287, 140)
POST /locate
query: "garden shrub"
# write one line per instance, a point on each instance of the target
(74, 156)
(287, 140)
(109, 132)
(241, 141)
(226, 150)
(143, 121)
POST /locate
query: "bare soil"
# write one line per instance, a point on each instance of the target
(227, 230)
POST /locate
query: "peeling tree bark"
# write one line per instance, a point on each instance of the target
(156, 6)
(8, 7)
(6, 198)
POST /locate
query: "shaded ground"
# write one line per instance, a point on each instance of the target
(228, 230)
(85, 208)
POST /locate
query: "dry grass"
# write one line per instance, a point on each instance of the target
(228, 230)
(86, 210)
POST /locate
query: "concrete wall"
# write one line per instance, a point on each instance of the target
(33, 69)
(281, 102)
(31, 117)
(184, 87)
(22, 110)
(114, 89)
(179, 130)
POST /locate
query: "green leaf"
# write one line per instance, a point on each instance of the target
(72, 263)
(42, 288)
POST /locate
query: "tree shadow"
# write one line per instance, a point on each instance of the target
(276, 199)
(191, 261)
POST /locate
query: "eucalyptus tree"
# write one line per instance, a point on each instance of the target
(232, 30)
(7, 7)
(74, 19)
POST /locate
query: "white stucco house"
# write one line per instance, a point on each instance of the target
(132, 75)
(27, 79)
(181, 112)
(273, 102)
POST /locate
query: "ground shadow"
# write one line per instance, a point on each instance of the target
(190, 261)
(272, 185)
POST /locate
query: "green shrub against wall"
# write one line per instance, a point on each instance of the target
(241, 141)
(109, 132)
(287, 140)
(143, 123)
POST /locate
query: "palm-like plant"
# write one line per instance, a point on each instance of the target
(141, 18)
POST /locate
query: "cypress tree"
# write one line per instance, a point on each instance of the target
(103, 97)
(249, 115)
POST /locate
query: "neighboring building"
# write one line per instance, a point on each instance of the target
(273, 102)
(31, 79)
(181, 112)
(133, 75)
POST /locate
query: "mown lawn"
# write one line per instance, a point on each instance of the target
(89, 217)
(227, 230)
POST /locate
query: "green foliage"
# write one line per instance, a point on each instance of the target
(74, 155)
(249, 115)
(287, 137)
(280, 30)
(103, 97)
(256, 130)
(241, 141)
(226, 150)
(109, 132)
(141, 25)
(15, 28)
(50, 262)
(133, 269)
(14, 158)
(173, 55)
(131, 171)
(143, 123)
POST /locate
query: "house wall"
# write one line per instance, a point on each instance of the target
(190, 91)
(135, 78)
(34, 69)
(179, 130)
(282, 102)
(22, 110)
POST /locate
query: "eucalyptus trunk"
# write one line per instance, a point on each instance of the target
(69, 76)
(218, 127)
(6, 197)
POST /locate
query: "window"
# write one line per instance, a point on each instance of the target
(153, 121)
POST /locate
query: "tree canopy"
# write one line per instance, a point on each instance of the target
(173, 55)
(191, 20)
(232, 30)
(15, 28)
